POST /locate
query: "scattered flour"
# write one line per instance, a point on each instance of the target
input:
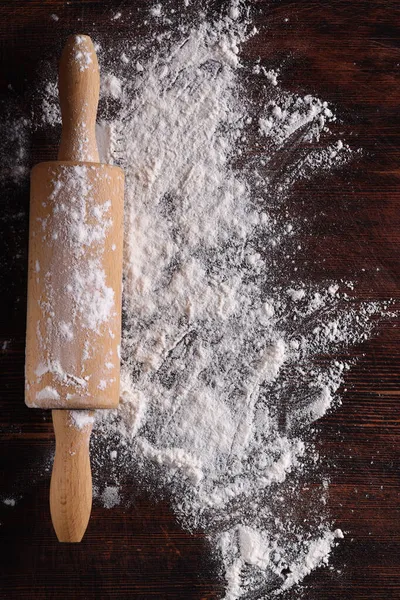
(9, 501)
(81, 418)
(110, 496)
(47, 393)
(111, 86)
(219, 372)
(156, 10)
(83, 56)
(317, 553)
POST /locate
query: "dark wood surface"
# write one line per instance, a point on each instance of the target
(348, 53)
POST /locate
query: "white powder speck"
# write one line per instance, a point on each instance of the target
(9, 501)
(66, 331)
(296, 295)
(81, 418)
(83, 58)
(234, 11)
(50, 106)
(111, 497)
(156, 10)
(316, 554)
(272, 76)
(47, 393)
(111, 86)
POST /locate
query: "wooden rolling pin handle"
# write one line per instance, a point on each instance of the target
(79, 88)
(71, 479)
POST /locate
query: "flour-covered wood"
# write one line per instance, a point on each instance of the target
(74, 287)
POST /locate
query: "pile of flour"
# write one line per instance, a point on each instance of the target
(220, 378)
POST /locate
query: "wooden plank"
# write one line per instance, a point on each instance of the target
(347, 53)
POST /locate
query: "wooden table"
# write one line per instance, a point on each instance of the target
(347, 53)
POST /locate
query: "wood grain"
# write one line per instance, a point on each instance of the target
(79, 89)
(71, 478)
(347, 53)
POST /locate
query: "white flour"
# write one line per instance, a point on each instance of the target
(221, 378)
(81, 418)
(9, 501)
(110, 496)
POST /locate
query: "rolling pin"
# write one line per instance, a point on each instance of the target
(74, 288)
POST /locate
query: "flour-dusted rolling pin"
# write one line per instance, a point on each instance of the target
(74, 288)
